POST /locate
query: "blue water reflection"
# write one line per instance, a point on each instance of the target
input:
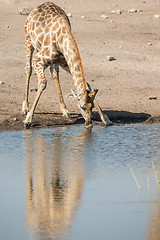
(71, 183)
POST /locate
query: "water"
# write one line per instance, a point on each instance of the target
(69, 183)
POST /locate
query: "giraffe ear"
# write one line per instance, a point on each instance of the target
(92, 94)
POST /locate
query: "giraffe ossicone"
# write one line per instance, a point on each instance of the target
(47, 30)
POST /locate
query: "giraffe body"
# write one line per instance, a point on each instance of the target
(47, 30)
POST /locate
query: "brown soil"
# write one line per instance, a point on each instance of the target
(129, 89)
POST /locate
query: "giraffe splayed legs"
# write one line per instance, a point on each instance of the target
(55, 76)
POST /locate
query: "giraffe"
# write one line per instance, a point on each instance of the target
(48, 31)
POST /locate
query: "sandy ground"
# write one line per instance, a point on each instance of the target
(129, 87)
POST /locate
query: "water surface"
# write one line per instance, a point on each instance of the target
(71, 183)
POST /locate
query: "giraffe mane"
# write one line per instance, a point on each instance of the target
(78, 54)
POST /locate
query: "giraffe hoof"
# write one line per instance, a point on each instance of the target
(106, 120)
(27, 122)
(27, 125)
(65, 112)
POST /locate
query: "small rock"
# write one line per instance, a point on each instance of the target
(116, 11)
(110, 58)
(133, 10)
(1, 83)
(34, 89)
(69, 14)
(157, 16)
(8, 27)
(140, 10)
(83, 17)
(149, 43)
(152, 98)
(15, 119)
(24, 11)
(104, 16)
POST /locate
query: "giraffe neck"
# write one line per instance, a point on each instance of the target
(68, 47)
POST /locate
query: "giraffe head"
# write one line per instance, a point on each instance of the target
(85, 103)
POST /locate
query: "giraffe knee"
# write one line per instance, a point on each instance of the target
(43, 85)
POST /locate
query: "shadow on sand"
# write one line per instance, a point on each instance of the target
(123, 116)
(44, 119)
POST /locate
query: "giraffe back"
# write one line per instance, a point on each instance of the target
(42, 24)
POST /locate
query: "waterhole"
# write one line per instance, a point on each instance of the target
(74, 184)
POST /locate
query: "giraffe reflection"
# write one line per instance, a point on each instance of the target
(55, 178)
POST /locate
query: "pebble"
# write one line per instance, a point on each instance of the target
(152, 98)
(104, 16)
(149, 43)
(1, 83)
(69, 14)
(116, 11)
(8, 27)
(133, 10)
(110, 58)
(83, 17)
(34, 89)
(24, 11)
(157, 16)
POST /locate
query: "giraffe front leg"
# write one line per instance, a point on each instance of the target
(55, 76)
(38, 66)
(28, 71)
(27, 122)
